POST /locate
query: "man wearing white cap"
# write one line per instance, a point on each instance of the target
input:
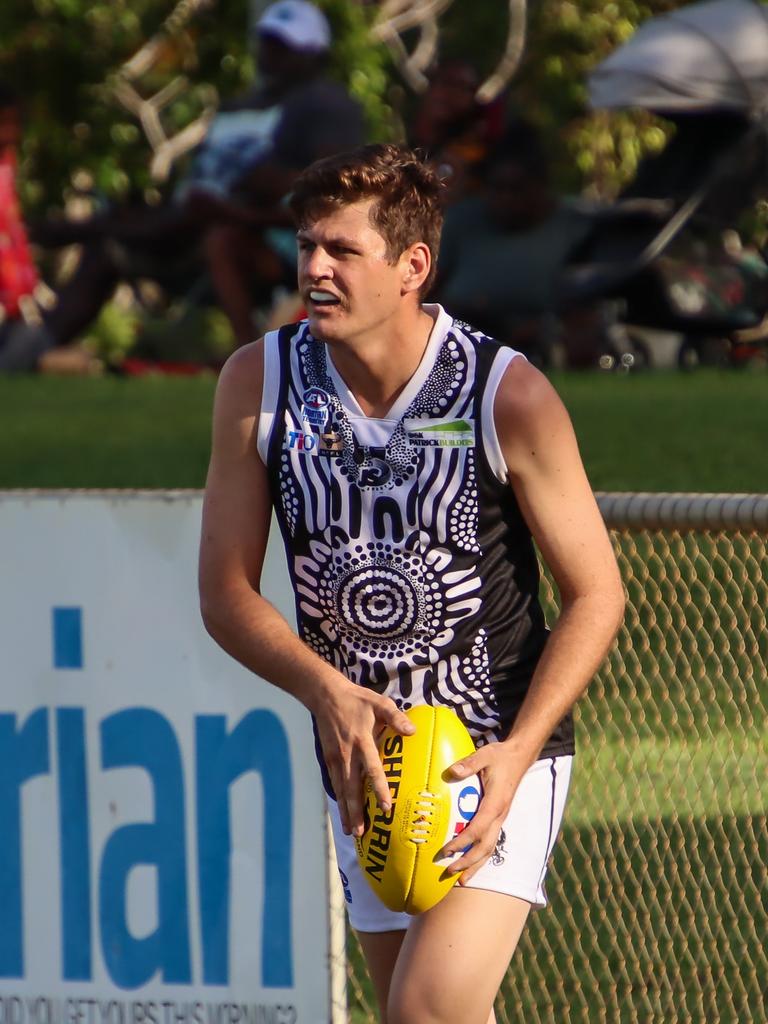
(294, 116)
(229, 207)
(298, 23)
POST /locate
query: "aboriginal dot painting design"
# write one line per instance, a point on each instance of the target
(463, 514)
(357, 463)
(288, 496)
(440, 391)
(383, 541)
(465, 683)
(384, 600)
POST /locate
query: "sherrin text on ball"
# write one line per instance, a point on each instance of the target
(398, 849)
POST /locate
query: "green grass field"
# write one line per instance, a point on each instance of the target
(658, 909)
(659, 883)
(704, 431)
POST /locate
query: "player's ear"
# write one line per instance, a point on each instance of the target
(416, 262)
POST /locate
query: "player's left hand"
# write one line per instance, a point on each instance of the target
(500, 773)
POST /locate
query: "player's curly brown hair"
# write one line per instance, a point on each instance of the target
(407, 191)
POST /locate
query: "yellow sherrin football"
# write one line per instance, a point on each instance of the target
(397, 851)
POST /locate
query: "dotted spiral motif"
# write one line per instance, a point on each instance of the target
(369, 595)
(401, 457)
(383, 599)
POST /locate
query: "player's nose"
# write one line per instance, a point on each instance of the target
(317, 264)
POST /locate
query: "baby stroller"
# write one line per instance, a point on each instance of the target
(667, 252)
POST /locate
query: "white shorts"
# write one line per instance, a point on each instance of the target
(517, 868)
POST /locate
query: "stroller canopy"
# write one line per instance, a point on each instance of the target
(703, 57)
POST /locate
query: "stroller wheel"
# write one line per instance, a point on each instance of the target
(625, 352)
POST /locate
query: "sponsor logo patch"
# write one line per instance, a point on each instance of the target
(345, 886)
(468, 801)
(309, 443)
(315, 407)
(331, 443)
(469, 798)
(376, 474)
(455, 433)
(301, 441)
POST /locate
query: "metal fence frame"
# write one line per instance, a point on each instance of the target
(674, 916)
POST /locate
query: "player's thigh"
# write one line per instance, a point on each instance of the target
(454, 957)
(379, 930)
(381, 950)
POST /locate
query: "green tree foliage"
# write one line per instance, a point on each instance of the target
(597, 149)
(364, 66)
(64, 56)
(565, 40)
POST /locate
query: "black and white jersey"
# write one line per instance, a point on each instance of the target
(414, 570)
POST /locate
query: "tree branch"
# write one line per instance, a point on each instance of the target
(510, 59)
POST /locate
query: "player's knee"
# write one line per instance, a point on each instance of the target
(411, 1004)
(418, 1003)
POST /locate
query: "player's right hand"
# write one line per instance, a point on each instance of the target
(349, 723)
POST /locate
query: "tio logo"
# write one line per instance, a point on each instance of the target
(301, 441)
(143, 738)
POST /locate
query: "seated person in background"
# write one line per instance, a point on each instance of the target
(251, 236)
(227, 213)
(503, 250)
(453, 129)
(18, 274)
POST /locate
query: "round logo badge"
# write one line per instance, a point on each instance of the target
(469, 799)
(315, 406)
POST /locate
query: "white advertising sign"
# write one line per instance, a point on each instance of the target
(163, 852)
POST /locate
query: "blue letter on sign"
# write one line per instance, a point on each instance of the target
(23, 754)
(75, 845)
(67, 638)
(259, 744)
(140, 737)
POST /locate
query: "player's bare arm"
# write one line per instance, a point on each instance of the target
(554, 495)
(236, 518)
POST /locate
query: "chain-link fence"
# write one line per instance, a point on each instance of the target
(658, 887)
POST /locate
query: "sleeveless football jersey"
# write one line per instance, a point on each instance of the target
(414, 570)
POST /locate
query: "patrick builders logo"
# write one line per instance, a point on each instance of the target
(440, 433)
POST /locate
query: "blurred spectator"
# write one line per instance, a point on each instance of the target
(227, 214)
(503, 250)
(453, 128)
(18, 275)
(311, 117)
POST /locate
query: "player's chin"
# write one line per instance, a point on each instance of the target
(323, 326)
